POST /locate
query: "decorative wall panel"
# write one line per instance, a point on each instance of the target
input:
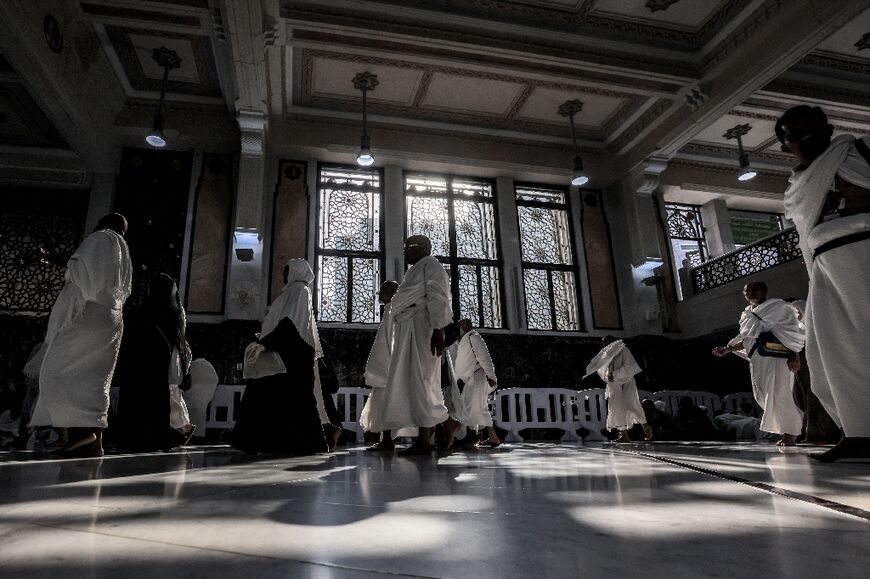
(289, 221)
(210, 243)
(603, 291)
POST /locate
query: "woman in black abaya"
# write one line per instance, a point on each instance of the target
(279, 413)
(153, 348)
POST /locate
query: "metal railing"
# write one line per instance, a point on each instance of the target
(765, 253)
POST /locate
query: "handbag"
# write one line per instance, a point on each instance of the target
(767, 345)
(260, 362)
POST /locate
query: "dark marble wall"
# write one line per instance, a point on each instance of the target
(520, 360)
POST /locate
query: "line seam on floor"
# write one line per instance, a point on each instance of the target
(840, 508)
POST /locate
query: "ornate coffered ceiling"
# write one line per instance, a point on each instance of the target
(479, 81)
(130, 31)
(460, 95)
(833, 75)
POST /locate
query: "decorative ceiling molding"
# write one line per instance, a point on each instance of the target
(642, 75)
(560, 144)
(141, 15)
(204, 58)
(726, 151)
(817, 92)
(581, 20)
(506, 121)
(636, 128)
(829, 62)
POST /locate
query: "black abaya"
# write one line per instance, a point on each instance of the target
(278, 414)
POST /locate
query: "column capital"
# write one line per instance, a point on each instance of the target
(647, 177)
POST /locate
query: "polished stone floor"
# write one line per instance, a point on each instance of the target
(524, 510)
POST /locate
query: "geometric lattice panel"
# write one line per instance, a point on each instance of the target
(29, 221)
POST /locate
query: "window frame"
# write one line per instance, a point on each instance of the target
(551, 267)
(454, 261)
(379, 255)
(700, 241)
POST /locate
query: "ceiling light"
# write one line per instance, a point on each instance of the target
(746, 172)
(569, 109)
(365, 81)
(578, 177)
(166, 59)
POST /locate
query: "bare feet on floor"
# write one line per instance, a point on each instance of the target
(452, 425)
(647, 432)
(787, 440)
(332, 433)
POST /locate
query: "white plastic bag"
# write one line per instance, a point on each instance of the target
(260, 362)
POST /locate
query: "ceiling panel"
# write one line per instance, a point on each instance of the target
(762, 130)
(198, 72)
(848, 40)
(333, 78)
(145, 45)
(543, 103)
(466, 93)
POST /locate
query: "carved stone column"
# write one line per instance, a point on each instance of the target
(247, 284)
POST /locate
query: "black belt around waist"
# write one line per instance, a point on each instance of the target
(840, 241)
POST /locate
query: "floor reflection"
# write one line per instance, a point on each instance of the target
(549, 510)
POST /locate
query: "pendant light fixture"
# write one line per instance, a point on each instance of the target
(746, 172)
(365, 81)
(569, 109)
(166, 59)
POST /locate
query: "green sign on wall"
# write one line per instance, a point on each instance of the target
(748, 227)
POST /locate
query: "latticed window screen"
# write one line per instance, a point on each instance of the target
(349, 249)
(458, 216)
(549, 273)
(686, 231)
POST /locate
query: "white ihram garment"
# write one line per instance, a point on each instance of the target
(772, 381)
(615, 361)
(837, 315)
(473, 366)
(84, 335)
(203, 383)
(412, 395)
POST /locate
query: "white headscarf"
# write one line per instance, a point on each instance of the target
(294, 302)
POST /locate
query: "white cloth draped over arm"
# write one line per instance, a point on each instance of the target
(624, 367)
(99, 271)
(472, 355)
(808, 189)
(772, 315)
(603, 358)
